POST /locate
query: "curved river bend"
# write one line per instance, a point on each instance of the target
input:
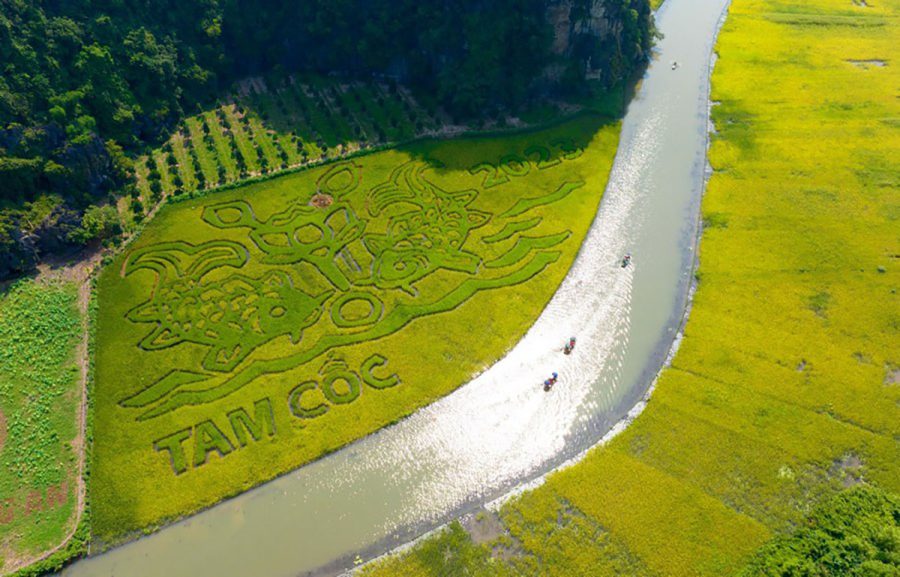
(501, 429)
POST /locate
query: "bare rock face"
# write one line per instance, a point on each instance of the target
(596, 23)
(579, 26)
(559, 15)
(605, 40)
(574, 19)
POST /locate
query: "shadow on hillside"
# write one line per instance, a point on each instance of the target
(508, 151)
(554, 138)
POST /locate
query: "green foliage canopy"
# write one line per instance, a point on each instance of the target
(855, 534)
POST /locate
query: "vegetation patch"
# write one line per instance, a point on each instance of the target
(854, 534)
(778, 398)
(39, 401)
(248, 332)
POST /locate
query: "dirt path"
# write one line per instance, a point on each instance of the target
(78, 269)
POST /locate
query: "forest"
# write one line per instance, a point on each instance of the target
(87, 84)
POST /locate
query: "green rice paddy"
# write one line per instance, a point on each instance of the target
(40, 327)
(247, 332)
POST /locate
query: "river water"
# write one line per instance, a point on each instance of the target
(501, 429)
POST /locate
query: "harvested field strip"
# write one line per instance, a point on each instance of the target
(319, 116)
(271, 150)
(380, 118)
(272, 108)
(364, 121)
(305, 131)
(160, 159)
(267, 128)
(141, 174)
(235, 127)
(185, 167)
(328, 98)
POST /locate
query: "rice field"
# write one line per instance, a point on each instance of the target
(247, 332)
(785, 389)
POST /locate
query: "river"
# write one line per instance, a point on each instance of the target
(501, 429)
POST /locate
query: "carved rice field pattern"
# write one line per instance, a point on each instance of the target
(247, 332)
(380, 254)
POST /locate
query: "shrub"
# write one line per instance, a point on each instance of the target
(98, 223)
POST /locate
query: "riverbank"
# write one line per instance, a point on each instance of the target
(783, 391)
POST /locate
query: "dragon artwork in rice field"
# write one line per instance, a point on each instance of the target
(427, 233)
(414, 229)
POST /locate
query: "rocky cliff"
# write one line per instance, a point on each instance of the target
(598, 37)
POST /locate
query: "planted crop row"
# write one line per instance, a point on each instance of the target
(266, 130)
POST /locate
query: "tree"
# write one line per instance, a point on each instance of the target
(854, 534)
(18, 178)
(98, 223)
(88, 84)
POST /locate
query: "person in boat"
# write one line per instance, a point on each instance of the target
(548, 384)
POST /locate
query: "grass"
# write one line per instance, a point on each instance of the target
(784, 391)
(222, 145)
(186, 169)
(313, 115)
(39, 398)
(233, 348)
(453, 551)
(270, 149)
(165, 171)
